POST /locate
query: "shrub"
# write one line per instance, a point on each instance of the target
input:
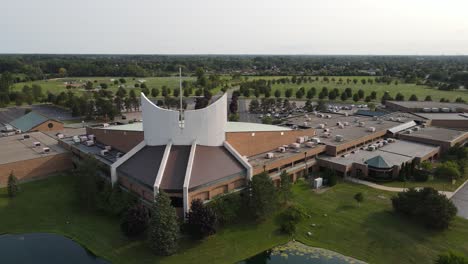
(421, 176)
(227, 208)
(201, 220)
(330, 176)
(263, 196)
(359, 197)
(12, 185)
(427, 206)
(289, 219)
(163, 229)
(451, 258)
(134, 221)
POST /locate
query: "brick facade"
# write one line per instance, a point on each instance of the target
(34, 168)
(121, 140)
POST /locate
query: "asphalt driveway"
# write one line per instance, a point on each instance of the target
(460, 199)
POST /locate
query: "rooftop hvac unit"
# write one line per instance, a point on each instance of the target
(310, 144)
(269, 155)
(371, 129)
(391, 140)
(26, 136)
(361, 124)
(285, 146)
(108, 148)
(295, 145)
(89, 143)
(105, 125)
(341, 126)
(338, 123)
(339, 138)
(83, 138)
(321, 126)
(316, 140)
(408, 131)
(385, 142)
(60, 136)
(326, 130)
(91, 137)
(416, 128)
(300, 140)
(346, 123)
(391, 118)
(46, 150)
(371, 148)
(306, 116)
(76, 139)
(104, 152)
(282, 149)
(375, 118)
(314, 113)
(36, 144)
(445, 110)
(345, 155)
(453, 110)
(434, 109)
(346, 114)
(326, 135)
(398, 119)
(306, 124)
(328, 116)
(309, 119)
(355, 151)
(320, 115)
(426, 109)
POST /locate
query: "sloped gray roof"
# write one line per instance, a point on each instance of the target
(378, 162)
(29, 121)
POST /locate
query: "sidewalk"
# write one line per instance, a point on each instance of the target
(386, 188)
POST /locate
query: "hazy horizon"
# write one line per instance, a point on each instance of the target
(210, 27)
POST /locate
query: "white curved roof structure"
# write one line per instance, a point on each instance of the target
(205, 126)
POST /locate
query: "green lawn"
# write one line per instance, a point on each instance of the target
(370, 232)
(57, 85)
(436, 183)
(404, 88)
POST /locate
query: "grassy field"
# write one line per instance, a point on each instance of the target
(421, 91)
(370, 232)
(436, 183)
(58, 85)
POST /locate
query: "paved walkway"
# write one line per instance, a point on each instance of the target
(460, 199)
(392, 189)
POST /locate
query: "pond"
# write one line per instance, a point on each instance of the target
(44, 248)
(296, 253)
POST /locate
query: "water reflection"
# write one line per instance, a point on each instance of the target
(44, 248)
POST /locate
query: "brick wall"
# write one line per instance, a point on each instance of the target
(121, 140)
(34, 168)
(251, 143)
(44, 127)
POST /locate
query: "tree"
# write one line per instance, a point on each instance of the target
(288, 93)
(277, 93)
(344, 96)
(427, 206)
(355, 97)
(359, 197)
(448, 169)
(12, 185)
(361, 93)
(285, 187)
(163, 230)
(86, 178)
(399, 97)
(413, 97)
(289, 219)
(134, 221)
(451, 258)
(201, 220)
(227, 207)
(428, 98)
(263, 196)
(311, 93)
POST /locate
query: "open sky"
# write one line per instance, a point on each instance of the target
(387, 27)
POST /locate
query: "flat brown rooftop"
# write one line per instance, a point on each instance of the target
(16, 148)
